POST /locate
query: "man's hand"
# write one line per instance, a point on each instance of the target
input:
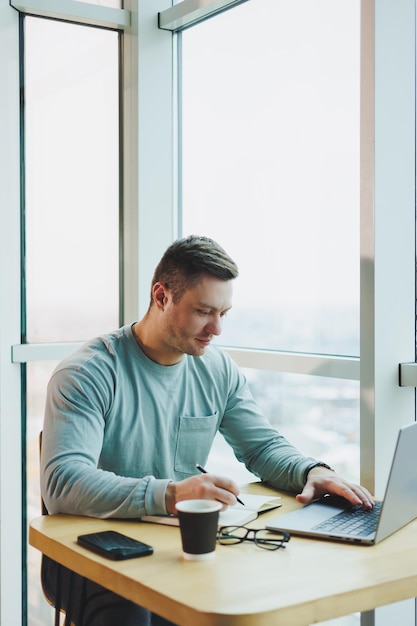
(201, 487)
(321, 481)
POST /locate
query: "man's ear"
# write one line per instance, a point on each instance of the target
(159, 295)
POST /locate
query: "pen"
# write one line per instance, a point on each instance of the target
(204, 471)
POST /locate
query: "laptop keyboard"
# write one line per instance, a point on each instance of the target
(353, 522)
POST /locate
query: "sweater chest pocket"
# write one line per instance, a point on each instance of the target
(195, 437)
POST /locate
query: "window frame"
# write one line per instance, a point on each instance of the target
(12, 531)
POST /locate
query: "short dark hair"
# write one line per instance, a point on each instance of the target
(187, 259)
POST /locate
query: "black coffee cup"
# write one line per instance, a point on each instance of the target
(198, 525)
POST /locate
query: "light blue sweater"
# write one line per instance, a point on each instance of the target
(118, 427)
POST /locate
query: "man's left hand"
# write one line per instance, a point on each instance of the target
(320, 481)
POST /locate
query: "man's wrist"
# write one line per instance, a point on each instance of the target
(170, 498)
(318, 464)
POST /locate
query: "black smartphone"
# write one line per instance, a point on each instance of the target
(114, 545)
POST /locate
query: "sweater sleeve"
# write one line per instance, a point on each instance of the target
(72, 481)
(264, 451)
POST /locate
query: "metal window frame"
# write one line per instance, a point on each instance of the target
(347, 368)
(388, 155)
(79, 12)
(12, 526)
(191, 12)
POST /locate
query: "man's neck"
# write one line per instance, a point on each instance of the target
(154, 350)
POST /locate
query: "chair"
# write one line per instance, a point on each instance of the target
(60, 570)
(43, 507)
(64, 572)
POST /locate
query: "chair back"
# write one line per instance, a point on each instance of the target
(43, 507)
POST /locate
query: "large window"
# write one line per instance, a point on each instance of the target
(270, 164)
(270, 169)
(71, 86)
(72, 180)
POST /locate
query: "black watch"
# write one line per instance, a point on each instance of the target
(318, 464)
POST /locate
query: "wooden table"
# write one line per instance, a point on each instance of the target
(310, 581)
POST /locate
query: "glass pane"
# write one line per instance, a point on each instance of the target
(38, 375)
(72, 180)
(270, 166)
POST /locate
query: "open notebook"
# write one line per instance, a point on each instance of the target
(237, 515)
(335, 518)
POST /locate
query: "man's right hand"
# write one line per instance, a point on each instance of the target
(201, 487)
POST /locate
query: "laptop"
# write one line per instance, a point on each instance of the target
(332, 517)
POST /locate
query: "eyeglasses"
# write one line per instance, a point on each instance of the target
(229, 535)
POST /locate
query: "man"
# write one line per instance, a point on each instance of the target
(129, 415)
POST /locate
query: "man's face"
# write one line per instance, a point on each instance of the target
(190, 325)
